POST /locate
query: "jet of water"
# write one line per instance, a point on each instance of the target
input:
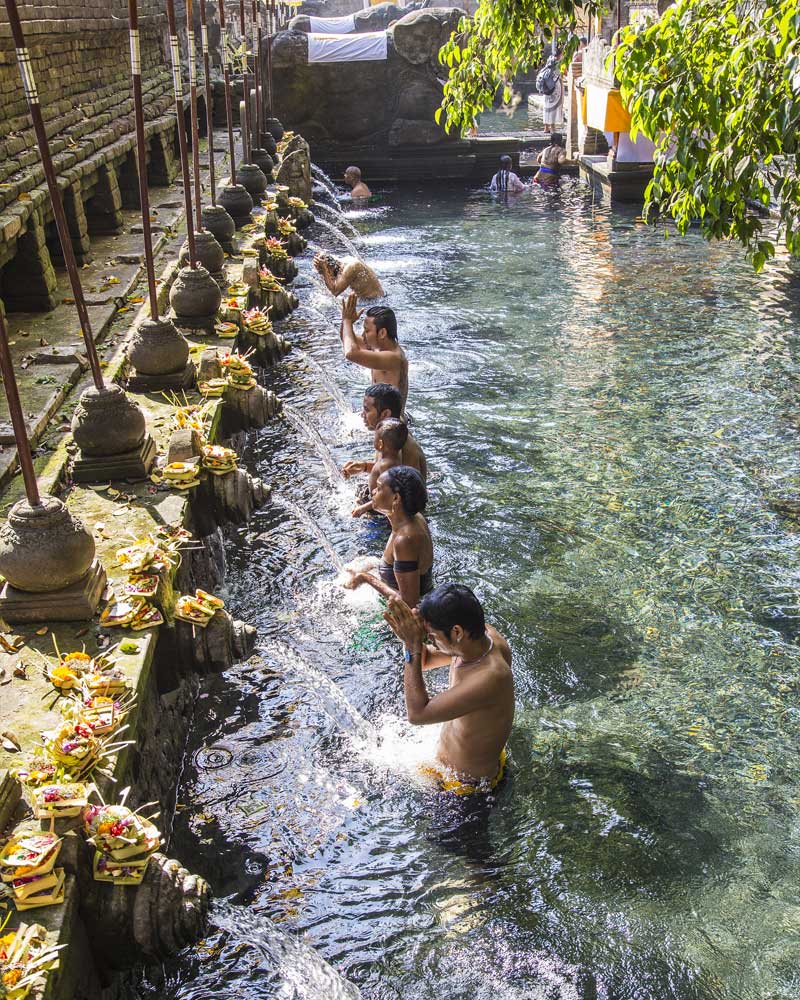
(331, 387)
(305, 518)
(314, 438)
(341, 221)
(328, 692)
(323, 178)
(300, 968)
(344, 240)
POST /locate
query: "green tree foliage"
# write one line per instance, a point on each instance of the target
(714, 83)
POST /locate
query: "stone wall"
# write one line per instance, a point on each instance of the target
(81, 62)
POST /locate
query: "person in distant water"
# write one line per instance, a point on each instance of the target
(553, 102)
(550, 159)
(390, 436)
(350, 272)
(505, 181)
(384, 402)
(477, 708)
(358, 189)
(406, 567)
(377, 349)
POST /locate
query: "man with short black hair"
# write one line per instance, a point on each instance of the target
(382, 402)
(477, 708)
(377, 349)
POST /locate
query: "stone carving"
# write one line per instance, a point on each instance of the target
(368, 103)
(295, 169)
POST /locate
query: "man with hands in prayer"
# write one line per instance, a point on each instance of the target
(377, 349)
(477, 709)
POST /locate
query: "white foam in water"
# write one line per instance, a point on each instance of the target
(399, 748)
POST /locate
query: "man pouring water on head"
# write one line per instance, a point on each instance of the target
(477, 709)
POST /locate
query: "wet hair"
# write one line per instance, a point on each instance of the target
(333, 262)
(452, 604)
(501, 176)
(387, 397)
(394, 432)
(385, 319)
(557, 139)
(408, 484)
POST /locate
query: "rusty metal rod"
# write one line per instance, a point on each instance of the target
(141, 155)
(193, 114)
(32, 95)
(270, 32)
(256, 29)
(177, 86)
(17, 417)
(212, 179)
(245, 88)
(226, 72)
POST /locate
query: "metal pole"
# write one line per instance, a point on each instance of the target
(270, 31)
(256, 27)
(209, 116)
(17, 417)
(226, 71)
(32, 95)
(245, 89)
(141, 155)
(177, 85)
(193, 114)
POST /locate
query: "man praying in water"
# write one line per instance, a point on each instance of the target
(377, 349)
(390, 436)
(477, 708)
(350, 272)
(358, 189)
(382, 402)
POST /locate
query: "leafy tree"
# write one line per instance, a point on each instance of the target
(714, 83)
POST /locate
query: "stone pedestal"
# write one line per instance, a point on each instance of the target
(133, 464)
(195, 298)
(184, 379)
(221, 225)
(78, 602)
(236, 201)
(159, 354)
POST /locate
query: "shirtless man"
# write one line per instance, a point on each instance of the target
(358, 189)
(377, 349)
(352, 273)
(382, 402)
(477, 708)
(390, 436)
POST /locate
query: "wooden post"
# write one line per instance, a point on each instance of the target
(141, 153)
(193, 116)
(226, 70)
(177, 86)
(32, 95)
(17, 417)
(245, 88)
(270, 33)
(209, 116)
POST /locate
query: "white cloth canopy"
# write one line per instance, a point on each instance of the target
(333, 25)
(371, 45)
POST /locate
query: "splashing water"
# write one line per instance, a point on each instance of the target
(341, 221)
(329, 385)
(345, 241)
(323, 178)
(312, 435)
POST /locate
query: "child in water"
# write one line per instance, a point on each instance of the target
(390, 436)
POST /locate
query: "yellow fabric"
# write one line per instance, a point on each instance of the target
(458, 787)
(603, 109)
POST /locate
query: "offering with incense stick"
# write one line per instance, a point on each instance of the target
(124, 841)
(25, 960)
(27, 868)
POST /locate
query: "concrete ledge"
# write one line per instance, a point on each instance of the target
(623, 185)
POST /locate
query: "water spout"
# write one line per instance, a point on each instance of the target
(330, 386)
(341, 221)
(323, 178)
(344, 240)
(312, 435)
(305, 518)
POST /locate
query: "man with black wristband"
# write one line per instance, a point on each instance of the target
(477, 708)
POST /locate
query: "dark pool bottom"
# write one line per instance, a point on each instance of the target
(608, 418)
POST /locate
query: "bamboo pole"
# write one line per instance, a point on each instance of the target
(141, 155)
(177, 86)
(209, 116)
(226, 72)
(32, 95)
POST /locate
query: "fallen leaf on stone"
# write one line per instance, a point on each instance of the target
(21, 671)
(124, 309)
(112, 280)
(121, 512)
(112, 492)
(42, 631)
(24, 196)
(137, 298)
(11, 643)
(3, 679)
(43, 342)
(11, 743)
(81, 632)
(68, 302)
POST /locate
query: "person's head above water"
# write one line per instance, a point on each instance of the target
(352, 176)
(557, 139)
(390, 436)
(380, 325)
(401, 488)
(452, 613)
(381, 401)
(334, 264)
(505, 163)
